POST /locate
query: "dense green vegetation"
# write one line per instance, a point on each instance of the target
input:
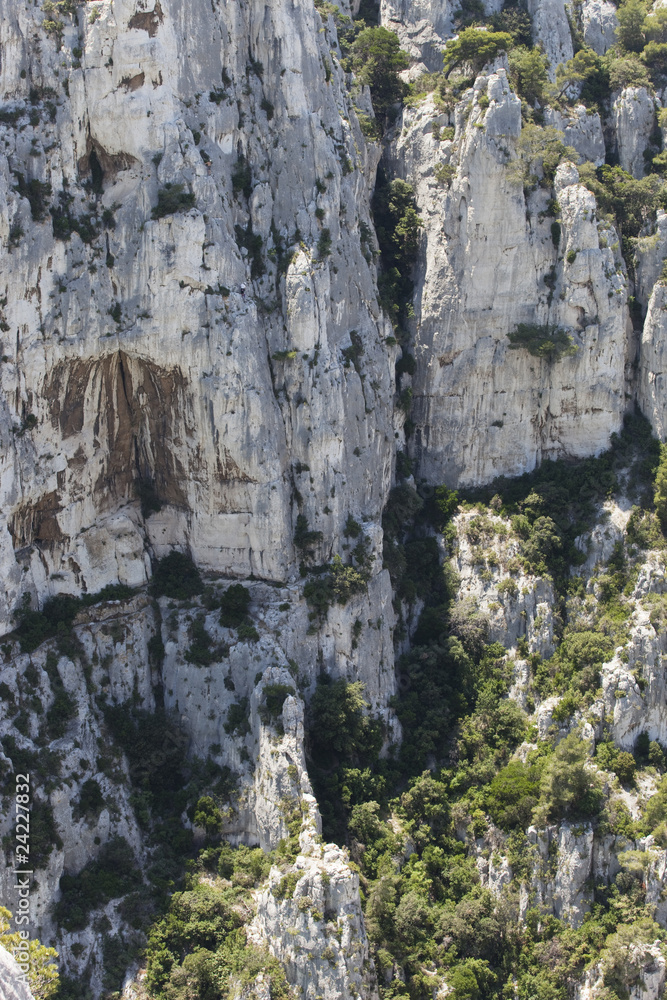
(199, 948)
(377, 59)
(176, 576)
(173, 198)
(549, 342)
(114, 873)
(397, 226)
(57, 615)
(455, 771)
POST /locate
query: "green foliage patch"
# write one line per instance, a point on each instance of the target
(171, 199)
(114, 873)
(543, 341)
(176, 576)
(57, 615)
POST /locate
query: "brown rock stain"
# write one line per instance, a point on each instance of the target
(132, 406)
(37, 522)
(148, 20)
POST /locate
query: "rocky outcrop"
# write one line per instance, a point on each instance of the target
(489, 262)
(325, 950)
(551, 31)
(133, 354)
(635, 685)
(423, 28)
(652, 359)
(581, 130)
(633, 121)
(599, 23)
(518, 605)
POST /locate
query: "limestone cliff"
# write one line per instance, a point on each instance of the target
(197, 355)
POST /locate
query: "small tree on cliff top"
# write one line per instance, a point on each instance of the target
(476, 46)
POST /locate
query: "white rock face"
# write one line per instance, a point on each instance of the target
(582, 131)
(650, 254)
(179, 388)
(599, 23)
(565, 891)
(633, 120)
(485, 269)
(551, 30)
(13, 984)
(652, 364)
(423, 28)
(598, 544)
(518, 605)
(650, 963)
(325, 949)
(635, 685)
(268, 762)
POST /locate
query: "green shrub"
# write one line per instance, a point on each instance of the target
(444, 173)
(377, 58)
(238, 721)
(630, 33)
(37, 193)
(568, 788)
(202, 651)
(319, 595)
(242, 178)
(513, 794)
(43, 833)
(627, 71)
(528, 72)
(343, 742)
(397, 226)
(585, 70)
(324, 244)
(570, 703)
(475, 46)
(253, 243)
(173, 198)
(114, 873)
(632, 202)
(247, 632)
(91, 801)
(208, 816)
(176, 576)
(623, 764)
(273, 700)
(304, 538)
(539, 151)
(660, 494)
(542, 341)
(234, 605)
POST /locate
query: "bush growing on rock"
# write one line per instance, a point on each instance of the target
(397, 226)
(234, 605)
(546, 341)
(173, 198)
(569, 789)
(630, 34)
(660, 494)
(42, 976)
(377, 58)
(91, 800)
(528, 72)
(475, 46)
(114, 873)
(208, 816)
(176, 576)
